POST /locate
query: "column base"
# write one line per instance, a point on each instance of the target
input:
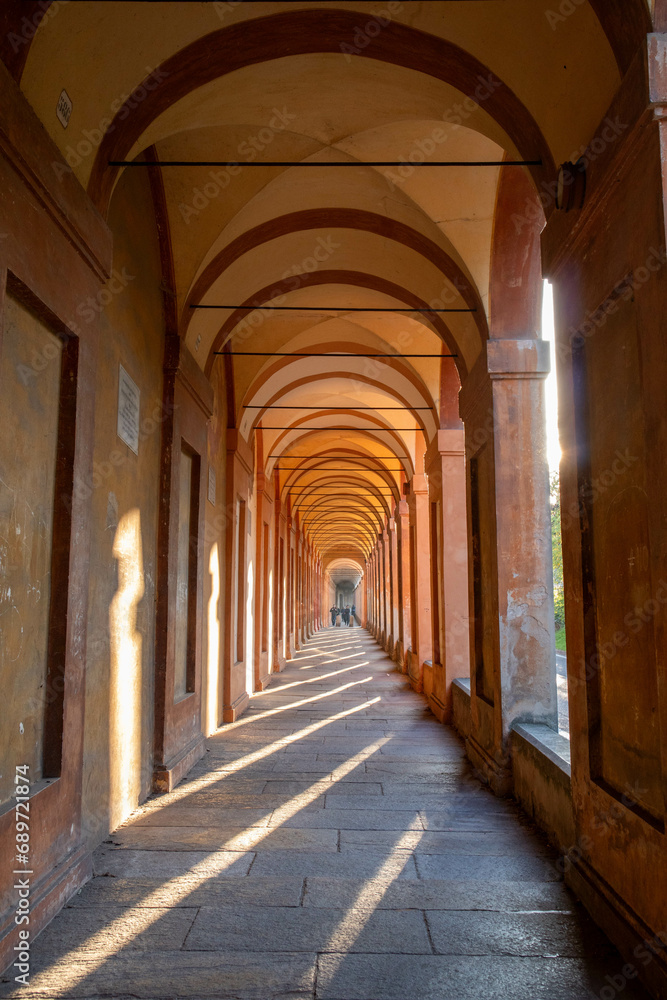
(263, 682)
(415, 671)
(230, 713)
(166, 776)
(497, 775)
(48, 895)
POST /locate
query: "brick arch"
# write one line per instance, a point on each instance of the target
(360, 279)
(337, 218)
(300, 33)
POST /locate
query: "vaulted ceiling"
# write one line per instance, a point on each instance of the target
(349, 250)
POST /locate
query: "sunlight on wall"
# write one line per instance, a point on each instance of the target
(213, 666)
(269, 630)
(551, 383)
(125, 682)
(249, 630)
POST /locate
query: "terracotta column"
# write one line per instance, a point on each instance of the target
(297, 590)
(402, 515)
(512, 644)
(380, 588)
(371, 593)
(388, 643)
(394, 601)
(420, 581)
(445, 466)
(238, 491)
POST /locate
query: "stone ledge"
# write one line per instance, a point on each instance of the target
(461, 717)
(547, 741)
(541, 780)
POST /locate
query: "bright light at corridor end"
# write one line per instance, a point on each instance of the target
(551, 383)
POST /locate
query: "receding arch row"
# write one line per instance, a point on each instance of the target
(359, 380)
(307, 432)
(334, 218)
(358, 279)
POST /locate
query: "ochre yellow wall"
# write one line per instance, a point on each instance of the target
(125, 488)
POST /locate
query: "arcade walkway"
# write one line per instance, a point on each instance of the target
(334, 844)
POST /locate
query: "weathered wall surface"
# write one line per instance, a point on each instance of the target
(123, 492)
(29, 410)
(216, 515)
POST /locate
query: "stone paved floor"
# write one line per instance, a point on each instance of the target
(333, 844)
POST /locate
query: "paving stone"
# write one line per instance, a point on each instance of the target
(497, 869)
(550, 935)
(347, 787)
(438, 977)
(186, 815)
(116, 928)
(168, 864)
(394, 802)
(353, 819)
(441, 843)
(363, 865)
(437, 894)
(175, 838)
(405, 880)
(265, 801)
(299, 929)
(230, 976)
(217, 890)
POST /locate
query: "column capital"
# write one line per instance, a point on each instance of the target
(521, 358)
(417, 484)
(501, 360)
(445, 442)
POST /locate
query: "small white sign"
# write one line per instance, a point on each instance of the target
(211, 485)
(64, 108)
(128, 410)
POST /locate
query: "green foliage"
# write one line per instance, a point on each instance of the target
(557, 553)
(560, 640)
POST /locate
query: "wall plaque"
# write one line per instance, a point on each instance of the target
(128, 410)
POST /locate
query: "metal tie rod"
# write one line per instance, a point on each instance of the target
(323, 163)
(362, 309)
(347, 427)
(344, 409)
(289, 354)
